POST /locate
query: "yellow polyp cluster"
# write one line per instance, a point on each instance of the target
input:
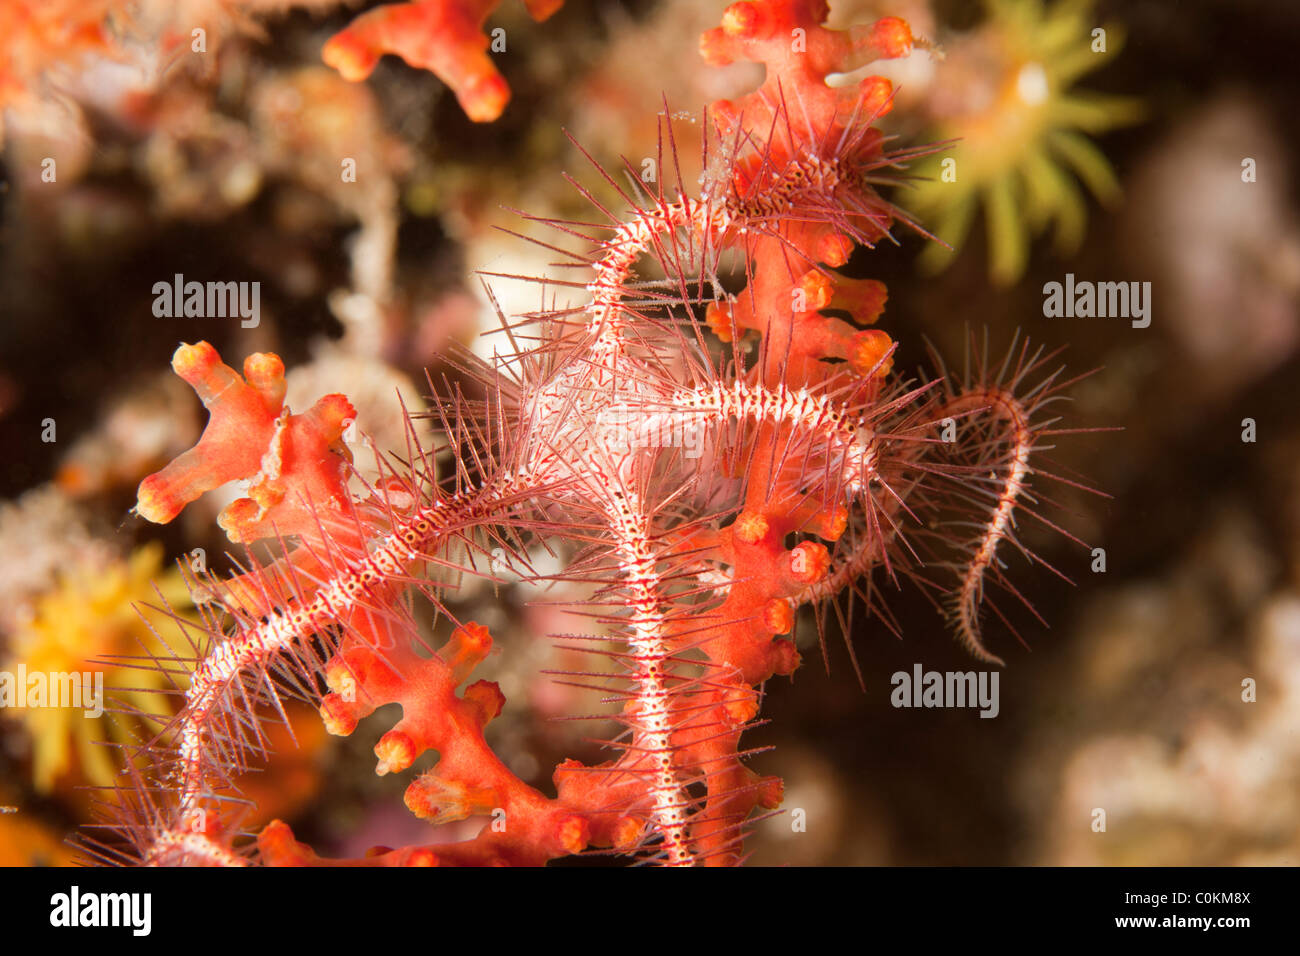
(1004, 93)
(91, 615)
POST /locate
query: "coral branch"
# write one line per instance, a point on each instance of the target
(443, 36)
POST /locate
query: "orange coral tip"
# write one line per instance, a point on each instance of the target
(237, 519)
(877, 96)
(778, 617)
(540, 10)
(750, 527)
(863, 298)
(627, 833)
(771, 792)
(817, 288)
(892, 37)
(468, 646)
(871, 352)
(189, 361)
(335, 413)
(337, 715)
(341, 677)
(152, 503)
(833, 525)
(352, 58)
(741, 705)
(809, 562)
(263, 369)
(487, 697)
(713, 48)
(485, 99)
(719, 320)
(785, 659)
(835, 249)
(573, 834)
(475, 636)
(742, 20)
(396, 751)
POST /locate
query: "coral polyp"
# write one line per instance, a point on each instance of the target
(445, 37)
(1005, 98)
(97, 625)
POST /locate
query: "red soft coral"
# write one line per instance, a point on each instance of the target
(297, 465)
(443, 36)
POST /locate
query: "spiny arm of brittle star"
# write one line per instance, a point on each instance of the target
(812, 418)
(870, 551)
(195, 849)
(701, 219)
(252, 647)
(1020, 437)
(608, 319)
(630, 527)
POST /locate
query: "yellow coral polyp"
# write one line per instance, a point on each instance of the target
(91, 614)
(1004, 94)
